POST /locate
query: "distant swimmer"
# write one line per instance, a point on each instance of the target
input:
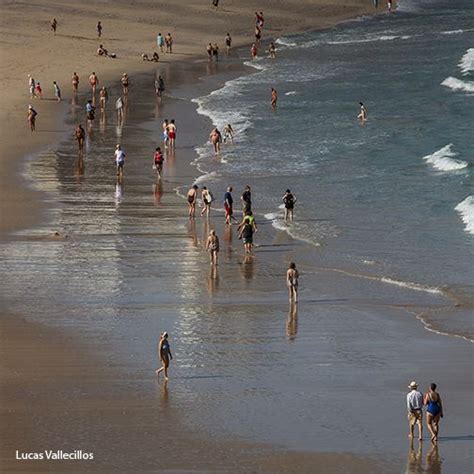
(274, 98)
(272, 51)
(103, 97)
(254, 51)
(31, 117)
(292, 282)
(75, 82)
(93, 81)
(164, 354)
(289, 202)
(119, 160)
(212, 246)
(215, 138)
(228, 133)
(191, 198)
(158, 160)
(80, 136)
(362, 112)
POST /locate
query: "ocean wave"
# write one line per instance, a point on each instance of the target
(458, 84)
(467, 62)
(443, 160)
(285, 42)
(466, 209)
(256, 64)
(452, 32)
(412, 286)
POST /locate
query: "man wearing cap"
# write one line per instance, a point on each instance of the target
(415, 410)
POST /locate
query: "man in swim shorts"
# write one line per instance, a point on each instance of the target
(171, 129)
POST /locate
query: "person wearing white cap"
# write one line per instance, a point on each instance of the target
(119, 160)
(415, 410)
(164, 353)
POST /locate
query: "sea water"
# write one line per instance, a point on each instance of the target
(391, 197)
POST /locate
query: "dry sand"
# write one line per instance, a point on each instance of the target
(130, 28)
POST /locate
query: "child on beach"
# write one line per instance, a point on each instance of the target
(292, 282)
(253, 51)
(38, 90)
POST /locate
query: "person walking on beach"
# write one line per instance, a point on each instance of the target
(209, 51)
(362, 112)
(90, 110)
(75, 82)
(94, 82)
(246, 234)
(212, 246)
(215, 3)
(246, 199)
(57, 91)
(171, 129)
(38, 91)
(159, 86)
(31, 86)
(389, 6)
(228, 133)
(164, 126)
(228, 206)
(415, 410)
(274, 98)
(158, 160)
(31, 117)
(258, 35)
(192, 197)
(289, 201)
(125, 82)
(215, 138)
(207, 199)
(215, 52)
(80, 136)
(99, 29)
(54, 26)
(434, 411)
(164, 354)
(251, 219)
(119, 105)
(228, 43)
(292, 282)
(103, 97)
(376, 3)
(169, 43)
(119, 160)
(160, 41)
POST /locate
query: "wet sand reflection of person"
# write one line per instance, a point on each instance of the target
(79, 166)
(102, 121)
(247, 267)
(433, 460)
(414, 459)
(213, 280)
(292, 322)
(192, 233)
(228, 239)
(158, 192)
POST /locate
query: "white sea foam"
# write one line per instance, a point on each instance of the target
(458, 84)
(412, 286)
(285, 42)
(466, 209)
(452, 32)
(256, 64)
(443, 160)
(291, 93)
(467, 62)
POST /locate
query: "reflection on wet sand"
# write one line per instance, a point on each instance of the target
(192, 233)
(79, 167)
(292, 321)
(415, 459)
(157, 192)
(212, 280)
(247, 267)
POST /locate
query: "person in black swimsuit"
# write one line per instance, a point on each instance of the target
(164, 353)
(246, 199)
(289, 202)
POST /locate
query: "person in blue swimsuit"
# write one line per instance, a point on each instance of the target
(434, 411)
(164, 353)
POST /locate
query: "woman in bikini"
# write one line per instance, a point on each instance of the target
(434, 411)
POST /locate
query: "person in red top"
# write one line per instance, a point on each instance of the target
(158, 161)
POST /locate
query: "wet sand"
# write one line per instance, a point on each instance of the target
(317, 390)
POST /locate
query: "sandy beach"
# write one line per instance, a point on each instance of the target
(255, 387)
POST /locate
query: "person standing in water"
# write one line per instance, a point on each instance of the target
(207, 199)
(228, 43)
(228, 206)
(80, 136)
(31, 117)
(158, 160)
(212, 246)
(415, 410)
(362, 112)
(272, 51)
(192, 197)
(274, 98)
(289, 202)
(103, 97)
(164, 354)
(246, 199)
(246, 234)
(254, 51)
(215, 138)
(292, 282)
(164, 126)
(171, 129)
(125, 83)
(228, 133)
(434, 411)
